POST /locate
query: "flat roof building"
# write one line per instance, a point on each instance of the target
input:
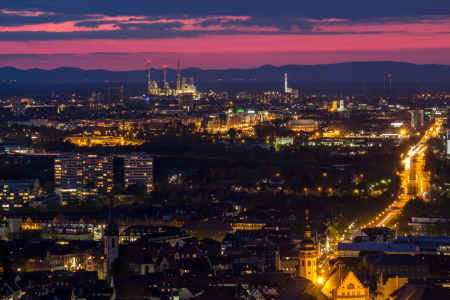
(115, 97)
(138, 169)
(98, 169)
(14, 193)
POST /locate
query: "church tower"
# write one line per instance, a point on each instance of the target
(308, 255)
(111, 240)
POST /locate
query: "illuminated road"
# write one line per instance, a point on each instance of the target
(414, 182)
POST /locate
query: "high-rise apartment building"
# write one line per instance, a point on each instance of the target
(14, 193)
(69, 169)
(186, 101)
(115, 97)
(98, 169)
(417, 119)
(97, 97)
(138, 168)
(75, 170)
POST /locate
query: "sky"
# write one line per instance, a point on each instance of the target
(221, 34)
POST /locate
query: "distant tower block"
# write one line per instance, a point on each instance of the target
(178, 77)
(285, 83)
(148, 80)
(165, 77)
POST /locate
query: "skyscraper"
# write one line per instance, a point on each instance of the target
(115, 97)
(69, 170)
(75, 170)
(286, 90)
(98, 169)
(178, 77)
(417, 119)
(186, 101)
(138, 169)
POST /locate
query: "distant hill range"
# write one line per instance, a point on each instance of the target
(342, 72)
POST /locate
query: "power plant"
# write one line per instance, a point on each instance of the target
(185, 90)
(178, 77)
(153, 88)
(149, 81)
(286, 88)
(285, 83)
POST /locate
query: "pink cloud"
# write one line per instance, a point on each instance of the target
(329, 41)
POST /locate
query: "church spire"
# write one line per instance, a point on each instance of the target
(307, 234)
(112, 225)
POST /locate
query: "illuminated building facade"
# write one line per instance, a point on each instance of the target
(138, 169)
(286, 261)
(98, 169)
(75, 170)
(286, 98)
(308, 255)
(306, 125)
(69, 194)
(334, 106)
(69, 169)
(351, 288)
(188, 86)
(417, 119)
(14, 193)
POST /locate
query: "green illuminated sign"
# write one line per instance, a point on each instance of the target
(428, 112)
(240, 110)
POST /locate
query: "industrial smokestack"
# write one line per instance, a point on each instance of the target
(285, 83)
(178, 77)
(148, 79)
(165, 86)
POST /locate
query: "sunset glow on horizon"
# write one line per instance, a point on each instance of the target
(42, 38)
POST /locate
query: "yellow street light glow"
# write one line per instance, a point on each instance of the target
(320, 280)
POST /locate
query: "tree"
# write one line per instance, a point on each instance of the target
(232, 133)
(120, 266)
(49, 235)
(5, 264)
(173, 199)
(116, 190)
(49, 187)
(332, 233)
(135, 189)
(23, 265)
(271, 139)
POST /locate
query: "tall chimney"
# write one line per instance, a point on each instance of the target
(285, 83)
(178, 77)
(148, 79)
(165, 77)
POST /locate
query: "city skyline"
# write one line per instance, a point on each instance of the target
(122, 36)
